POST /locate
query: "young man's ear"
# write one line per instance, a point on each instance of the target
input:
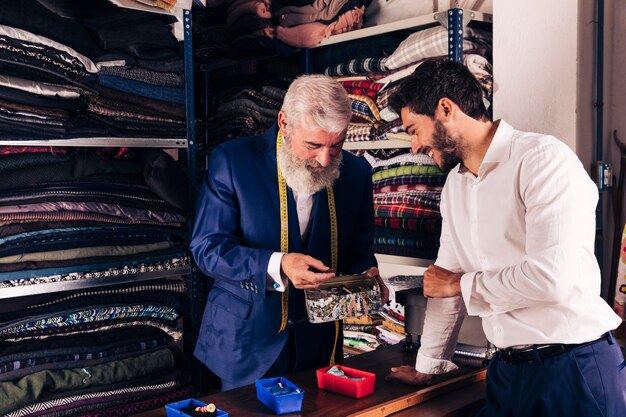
(445, 108)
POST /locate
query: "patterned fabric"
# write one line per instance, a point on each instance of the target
(97, 314)
(366, 85)
(383, 96)
(407, 187)
(82, 330)
(411, 243)
(406, 170)
(428, 199)
(430, 43)
(357, 66)
(435, 180)
(145, 405)
(404, 211)
(364, 105)
(405, 158)
(423, 224)
(176, 286)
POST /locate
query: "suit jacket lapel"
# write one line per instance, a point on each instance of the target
(268, 172)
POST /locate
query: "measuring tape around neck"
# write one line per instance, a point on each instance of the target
(284, 237)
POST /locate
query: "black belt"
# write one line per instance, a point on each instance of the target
(531, 354)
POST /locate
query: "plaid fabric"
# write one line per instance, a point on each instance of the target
(358, 129)
(407, 187)
(367, 85)
(428, 199)
(436, 180)
(383, 96)
(358, 91)
(360, 138)
(388, 115)
(404, 211)
(429, 43)
(421, 224)
(357, 66)
(406, 170)
(258, 97)
(363, 105)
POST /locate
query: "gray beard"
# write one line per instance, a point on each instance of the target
(302, 176)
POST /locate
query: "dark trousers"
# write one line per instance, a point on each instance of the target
(586, 381)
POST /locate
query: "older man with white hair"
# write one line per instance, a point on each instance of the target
(274, 212)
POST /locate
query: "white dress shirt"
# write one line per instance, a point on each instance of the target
(304, 204)
(522, 233)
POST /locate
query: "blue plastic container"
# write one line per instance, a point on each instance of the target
(279, 404)
(174, 409)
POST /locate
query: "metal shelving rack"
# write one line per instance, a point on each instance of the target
(188, 143)
(455, 20)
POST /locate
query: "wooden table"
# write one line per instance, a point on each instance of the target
(457, 392)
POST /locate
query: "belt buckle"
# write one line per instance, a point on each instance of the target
(507, 355)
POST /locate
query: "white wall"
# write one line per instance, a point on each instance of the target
(535, 66)
(544, 73)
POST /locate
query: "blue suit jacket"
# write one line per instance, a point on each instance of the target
(236, 231)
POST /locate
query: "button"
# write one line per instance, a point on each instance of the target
(289, 322)
(275, 285)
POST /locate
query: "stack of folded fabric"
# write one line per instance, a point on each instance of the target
(253, 28)
(101, 352)
(407, 191)
(68, 71)
(246, 97)
(373, 73)
(87, 213)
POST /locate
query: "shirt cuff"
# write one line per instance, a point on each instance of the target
(473, 305)
(432, 366)
(276, 281)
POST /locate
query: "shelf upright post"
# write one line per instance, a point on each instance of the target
(455, 35)
(191, 160)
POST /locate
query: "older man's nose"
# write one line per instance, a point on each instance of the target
(323, 157)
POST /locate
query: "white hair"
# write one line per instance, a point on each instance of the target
(318, 100)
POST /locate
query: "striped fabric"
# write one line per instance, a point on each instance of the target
(430, 43)
(357, 66)
(428, 199)
(433, 180)
(407, 187)
(404, 211)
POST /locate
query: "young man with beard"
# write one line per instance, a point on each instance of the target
(517, 249)
(277, 214)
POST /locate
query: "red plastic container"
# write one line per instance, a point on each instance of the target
(345, 386)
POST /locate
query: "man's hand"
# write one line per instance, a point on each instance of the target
(408, 375)
(441, 283)
(620, 309)
(297, 267)
(384, 291)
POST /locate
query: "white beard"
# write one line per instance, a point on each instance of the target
(305, 177)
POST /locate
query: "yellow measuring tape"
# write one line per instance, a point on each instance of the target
(284, 238)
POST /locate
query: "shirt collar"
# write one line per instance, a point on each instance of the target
(499, 148)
